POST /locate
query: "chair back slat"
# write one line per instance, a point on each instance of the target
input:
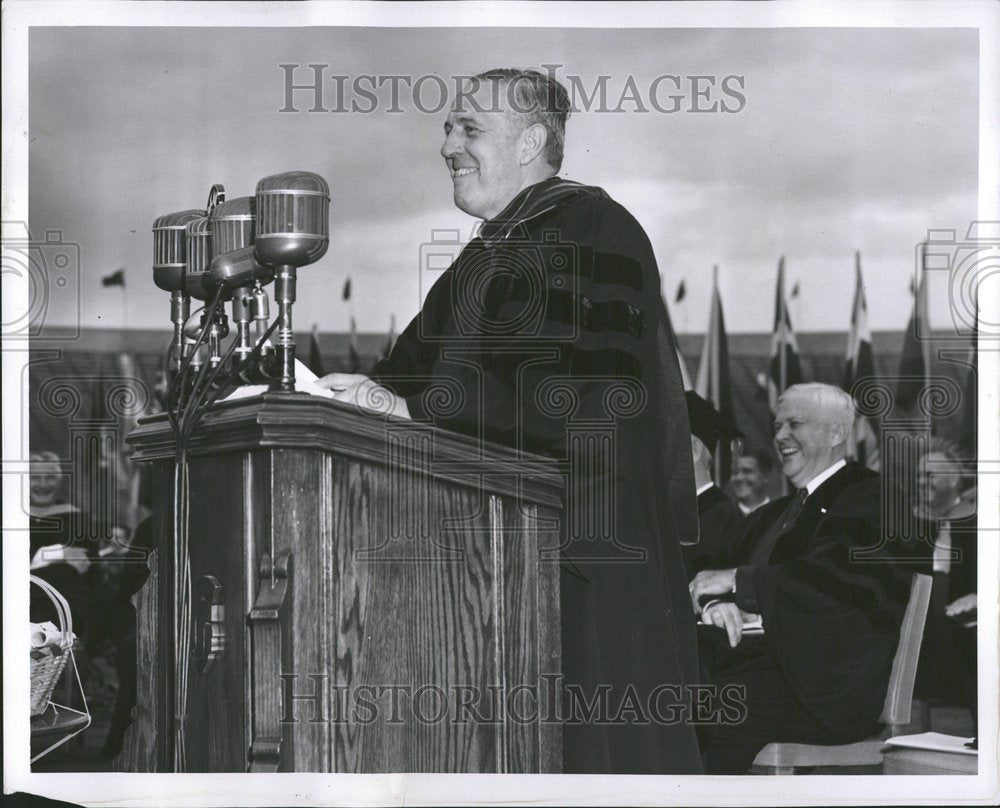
(899, 698)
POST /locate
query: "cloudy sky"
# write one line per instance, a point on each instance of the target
(849, 139)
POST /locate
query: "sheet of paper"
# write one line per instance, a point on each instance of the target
(935, 742)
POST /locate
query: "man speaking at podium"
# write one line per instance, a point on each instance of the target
(551, 326)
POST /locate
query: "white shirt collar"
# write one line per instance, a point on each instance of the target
(823, 476)
(704, 488)
(747, 510)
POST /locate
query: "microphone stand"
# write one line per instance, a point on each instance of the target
(284, 295)
(180, 311)
(242, 303)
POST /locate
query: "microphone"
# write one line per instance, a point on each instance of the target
(293, 216)
(233, 225)
(199, 253)
(170, 271)
(233, 266)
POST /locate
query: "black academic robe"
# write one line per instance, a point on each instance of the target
(550, 335)
(720, 521)
(831, 597)
(947, 667)
(63, 524)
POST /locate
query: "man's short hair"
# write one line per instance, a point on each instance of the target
(764, 458)
(44, 456)
(537, 98)
(836, 403)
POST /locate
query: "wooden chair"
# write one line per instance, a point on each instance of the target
(787, 758)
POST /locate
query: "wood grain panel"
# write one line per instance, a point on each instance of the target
(520, 615)
(301, 519)
(402, 575)
(217, 719)
(544, 525)
(139, 748)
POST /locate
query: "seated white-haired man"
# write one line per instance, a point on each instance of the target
(814, 566)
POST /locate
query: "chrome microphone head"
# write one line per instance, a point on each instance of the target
(199, 254)
(233, 224)
(293, 218)
(170, 249)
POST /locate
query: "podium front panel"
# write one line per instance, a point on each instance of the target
(381, 605)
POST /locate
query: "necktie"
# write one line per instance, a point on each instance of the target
(762, 552)
(794, 509)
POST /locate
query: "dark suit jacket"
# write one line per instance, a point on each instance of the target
(719, 522)
(831, 617)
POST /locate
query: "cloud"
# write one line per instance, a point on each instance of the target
(850, 139)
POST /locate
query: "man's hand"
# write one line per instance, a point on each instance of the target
(76, 557)
(966, 603)
(711, 582)
(730, 617)
(363, 393)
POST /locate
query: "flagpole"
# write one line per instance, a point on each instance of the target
(782, 318)
(716, 393)
(782, 337)
(924, 315)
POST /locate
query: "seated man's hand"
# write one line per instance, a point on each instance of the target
(711, 582)
(966, 603)
(363, 393)
(730, 617)
(76, 557)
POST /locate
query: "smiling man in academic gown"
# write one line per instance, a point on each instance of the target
(551, 327)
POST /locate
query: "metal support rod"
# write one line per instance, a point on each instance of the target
(242, 318)
(284, 292)
(180, 310)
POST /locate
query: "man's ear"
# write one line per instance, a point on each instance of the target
(533, 140)
(838, 434)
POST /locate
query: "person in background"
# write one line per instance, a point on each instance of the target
(751, 478)
(719, 518)
(58, 555)
(831, 621)
(947, 505)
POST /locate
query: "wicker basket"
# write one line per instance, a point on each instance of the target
(46, 669)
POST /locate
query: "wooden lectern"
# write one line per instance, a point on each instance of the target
(367, 595)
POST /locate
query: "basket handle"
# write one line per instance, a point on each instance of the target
(62, 607)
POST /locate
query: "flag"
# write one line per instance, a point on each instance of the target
(685, 378)
(968, 435)
(785, 368)
(315, 363)
(681, 291)
(346, 294)
(795, 290)
(116, 278)
(915, 363)
(353, 358)
(713, 383)
(390, 340)
(863, 445)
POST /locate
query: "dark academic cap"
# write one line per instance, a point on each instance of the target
(707, 423)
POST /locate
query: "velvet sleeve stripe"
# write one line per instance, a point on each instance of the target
(565, 313)
(599, 360)
(609, 268)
